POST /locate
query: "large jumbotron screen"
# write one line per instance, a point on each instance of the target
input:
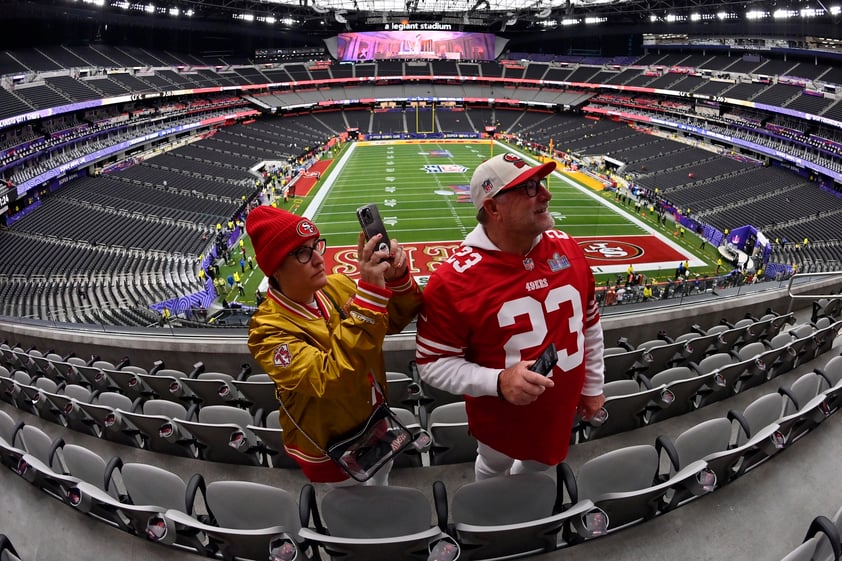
(380, 45)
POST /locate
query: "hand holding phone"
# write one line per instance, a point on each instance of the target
(545, 362)
(372, 224)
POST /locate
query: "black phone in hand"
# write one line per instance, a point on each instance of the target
(545, 362)
(372, 224)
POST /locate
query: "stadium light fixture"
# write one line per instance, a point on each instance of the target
(174, 12)
(149, 8)
(189, 13)
(784, 14)
(755, 14)
(653, 18)
(288, 21)
(569, 21)
(835, 10)
(695, 17)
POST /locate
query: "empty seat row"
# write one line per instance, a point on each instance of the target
(500, 517)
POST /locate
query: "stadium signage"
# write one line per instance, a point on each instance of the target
(404, 26)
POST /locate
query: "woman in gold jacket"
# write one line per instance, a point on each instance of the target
(320, 337)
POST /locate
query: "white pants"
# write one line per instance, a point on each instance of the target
(491, 463)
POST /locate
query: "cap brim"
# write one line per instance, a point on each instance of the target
(538, 172)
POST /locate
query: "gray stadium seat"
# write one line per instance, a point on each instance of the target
(220, 434)
(155, 425)
(452, 443)
(243, 520)
(683, 385)
(626, 484)
(760, 417)
(822, 543)
(359, 523)
(271, 439)
(805, 406)
(626, 407)
(507, 516)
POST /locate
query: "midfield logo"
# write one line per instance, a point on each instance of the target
(444, 168)
(610, 250)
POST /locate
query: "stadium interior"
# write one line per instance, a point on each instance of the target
(133, 137)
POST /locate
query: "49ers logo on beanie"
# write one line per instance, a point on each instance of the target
(307, 229)
(274, 233)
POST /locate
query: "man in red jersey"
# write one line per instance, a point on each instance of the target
(514, 286)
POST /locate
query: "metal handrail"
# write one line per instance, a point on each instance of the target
(794, 297)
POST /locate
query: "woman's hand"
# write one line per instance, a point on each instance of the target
(373, 264)
(398, 263)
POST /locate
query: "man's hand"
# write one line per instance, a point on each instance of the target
(589, 405)
(520, 386)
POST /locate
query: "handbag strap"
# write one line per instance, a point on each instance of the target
(376, 384)
(296, 425)
(302, 431)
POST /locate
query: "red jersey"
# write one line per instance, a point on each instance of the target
(493, 309)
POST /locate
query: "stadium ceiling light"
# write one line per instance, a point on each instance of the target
(593, 20)
(755, 14)
(784, 14)
(288, 21)
(569, 21)
(174, 12)
(189, 13)
(835, 10)
(653, 18)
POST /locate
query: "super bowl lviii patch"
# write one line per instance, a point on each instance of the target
(558, 263)
(282, 356)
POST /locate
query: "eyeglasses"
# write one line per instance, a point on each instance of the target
(304, 253)
(531, 187)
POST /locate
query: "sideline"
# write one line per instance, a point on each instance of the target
(314, 206)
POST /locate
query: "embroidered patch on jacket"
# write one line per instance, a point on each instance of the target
(361, 317)
(282, 356)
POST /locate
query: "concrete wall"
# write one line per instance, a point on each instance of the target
(226, 351)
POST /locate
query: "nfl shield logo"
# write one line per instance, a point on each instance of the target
(282, 356)
(487, 186)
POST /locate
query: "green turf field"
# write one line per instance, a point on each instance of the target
(432, 204)
(420, 206)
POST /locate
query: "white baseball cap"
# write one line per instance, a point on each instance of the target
(502, 172)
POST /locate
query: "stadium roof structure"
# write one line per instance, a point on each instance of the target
(500, 15)
(467, 15)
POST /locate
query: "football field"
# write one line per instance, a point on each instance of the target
(422, 190)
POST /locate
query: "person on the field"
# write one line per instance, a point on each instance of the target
(320, 337)
(514, 286)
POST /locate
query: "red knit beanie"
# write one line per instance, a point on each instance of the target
(274, 233)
